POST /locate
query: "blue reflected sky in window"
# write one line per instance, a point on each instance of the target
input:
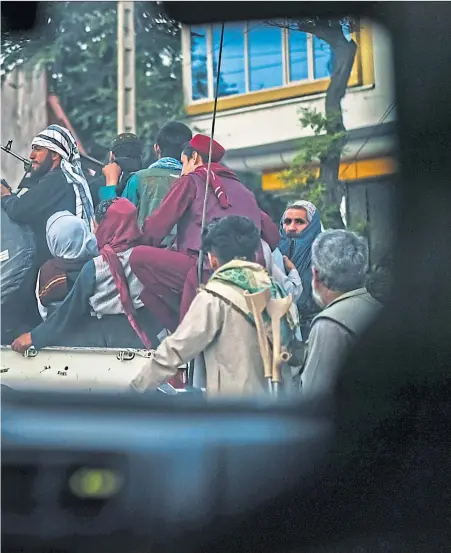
(265, 57)
(322, 58)
(199, 72)
(298, 58)
(232, 79)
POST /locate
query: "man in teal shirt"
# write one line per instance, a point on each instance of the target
(147, 188)
(126, 157)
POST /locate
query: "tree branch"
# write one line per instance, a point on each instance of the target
(331, 31)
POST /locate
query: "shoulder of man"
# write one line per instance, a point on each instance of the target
(155, 172)
(205, 301)
(53, 177)
(227, 293)
(153, 178)
(353, 311)
(325, 326)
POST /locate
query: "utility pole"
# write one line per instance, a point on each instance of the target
(126, 120)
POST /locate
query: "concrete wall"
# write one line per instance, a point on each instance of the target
(23, 115)
(373, 203)
(270, 123)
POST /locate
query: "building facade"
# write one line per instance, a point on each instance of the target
(267, 74)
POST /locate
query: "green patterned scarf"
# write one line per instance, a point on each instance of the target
(253, 278)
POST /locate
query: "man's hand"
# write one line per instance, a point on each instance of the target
(289, 265)
(22, 343)
(5, 191)
(112, 172)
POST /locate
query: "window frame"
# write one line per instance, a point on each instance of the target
(362, 73)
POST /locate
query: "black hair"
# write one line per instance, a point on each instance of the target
(102, 208)
(128, 149)
(171, 138)
(231, 237)
(188, 150)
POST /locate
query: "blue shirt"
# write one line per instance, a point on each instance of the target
(130, 191)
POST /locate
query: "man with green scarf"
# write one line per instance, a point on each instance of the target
(216, 325)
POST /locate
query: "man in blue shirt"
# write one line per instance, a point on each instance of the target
(125, 161)
(147, 188)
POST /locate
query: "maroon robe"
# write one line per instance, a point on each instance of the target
(168, 274)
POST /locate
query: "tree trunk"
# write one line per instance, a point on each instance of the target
(344, 53)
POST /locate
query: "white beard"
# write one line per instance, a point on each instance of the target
(316, 297)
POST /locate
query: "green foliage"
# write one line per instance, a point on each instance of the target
(77, 44)
(303, 177)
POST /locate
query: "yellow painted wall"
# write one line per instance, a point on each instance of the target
(362, 169)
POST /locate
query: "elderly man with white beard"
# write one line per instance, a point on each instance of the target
(339, 265)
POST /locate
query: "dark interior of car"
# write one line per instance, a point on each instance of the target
(367, 473)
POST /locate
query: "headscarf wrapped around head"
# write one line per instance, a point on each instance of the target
(60, 140)
(118, 231)
(69, 238)
(299, 248)
(71, 244)
(301, 245)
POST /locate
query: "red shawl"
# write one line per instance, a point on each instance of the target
(118, 232)
(217, 171)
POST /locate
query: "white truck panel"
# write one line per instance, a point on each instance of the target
(80, 368)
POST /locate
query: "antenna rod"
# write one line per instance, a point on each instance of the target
(200, 261)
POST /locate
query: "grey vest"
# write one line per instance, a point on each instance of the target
(154, 184)
(355, 311)
(105, 300)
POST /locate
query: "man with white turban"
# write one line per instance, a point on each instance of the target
(58, 185)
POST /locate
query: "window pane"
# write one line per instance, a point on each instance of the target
(265, 56)
(232, 79)
(322, 56)
(298, 58)
(199, 73)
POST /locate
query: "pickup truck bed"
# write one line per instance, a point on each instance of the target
(80, 368)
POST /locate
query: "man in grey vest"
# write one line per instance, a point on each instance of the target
(339, 265)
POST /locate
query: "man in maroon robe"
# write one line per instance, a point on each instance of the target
(168, 273)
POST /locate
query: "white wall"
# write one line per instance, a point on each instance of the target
(24, 115)
(279, 121)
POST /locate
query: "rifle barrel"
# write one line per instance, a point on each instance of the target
(92, 160)
(26, 162)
